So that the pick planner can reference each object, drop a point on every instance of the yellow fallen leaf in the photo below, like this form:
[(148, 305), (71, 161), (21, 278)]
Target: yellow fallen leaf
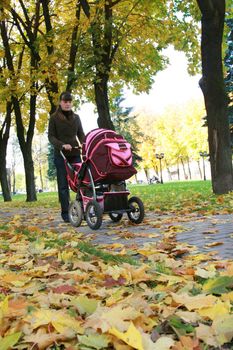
[(227, 296), (214, 244), (188, 316), (16, 279), (223, 330), (229, 270), (145, 252), (132, 337), (206, 334), (43, 340), (163, 343), (194, 302), (4, 306), (9, 341), (116, 296), (66, 256), (138, 274), (85, 305), (119, 345), (170, 279), (209, 232), (115, 272), (219, 308), (105, 318), (204, 273), (59, 319)]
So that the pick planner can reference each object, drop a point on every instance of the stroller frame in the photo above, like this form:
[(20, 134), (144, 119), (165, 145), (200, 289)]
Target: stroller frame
[(93, 199)]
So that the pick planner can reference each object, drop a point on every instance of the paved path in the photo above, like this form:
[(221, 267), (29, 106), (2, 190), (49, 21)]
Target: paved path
[(207, 233)]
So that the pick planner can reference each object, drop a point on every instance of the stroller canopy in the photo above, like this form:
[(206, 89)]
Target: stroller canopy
[(108, 155)]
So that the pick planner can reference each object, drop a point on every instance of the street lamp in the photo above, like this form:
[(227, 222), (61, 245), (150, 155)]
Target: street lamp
[(160, 156), (203, 155)]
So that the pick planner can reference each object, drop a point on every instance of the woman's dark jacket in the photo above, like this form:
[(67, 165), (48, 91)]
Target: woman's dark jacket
[(64, 129)]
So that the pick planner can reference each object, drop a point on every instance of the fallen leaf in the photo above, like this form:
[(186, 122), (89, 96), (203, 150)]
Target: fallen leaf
[(131, 337), (218, 285), (9, 341), (96, 341), (213, 244), (206, 333), (61, 321), (223, 330), (194, 302), (85, 305), (219, 308)]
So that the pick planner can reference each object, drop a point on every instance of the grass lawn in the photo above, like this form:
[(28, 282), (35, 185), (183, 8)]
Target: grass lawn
[(181, 197), (184, 197)]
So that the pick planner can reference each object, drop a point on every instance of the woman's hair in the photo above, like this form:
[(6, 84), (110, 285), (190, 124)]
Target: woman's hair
[(66, 96)]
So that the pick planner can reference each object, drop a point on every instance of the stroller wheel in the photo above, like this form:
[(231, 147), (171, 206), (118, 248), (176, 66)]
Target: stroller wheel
[(75, 213), (115, 216), (93, 215), (136, 214)]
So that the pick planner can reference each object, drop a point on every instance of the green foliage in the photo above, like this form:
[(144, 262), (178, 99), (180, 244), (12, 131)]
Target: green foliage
[(123, 42)]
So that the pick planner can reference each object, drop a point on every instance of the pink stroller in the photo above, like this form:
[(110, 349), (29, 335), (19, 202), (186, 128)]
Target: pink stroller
[(99, 181)]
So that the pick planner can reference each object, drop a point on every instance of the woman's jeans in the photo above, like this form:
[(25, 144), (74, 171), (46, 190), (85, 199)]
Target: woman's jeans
[(62, 183)]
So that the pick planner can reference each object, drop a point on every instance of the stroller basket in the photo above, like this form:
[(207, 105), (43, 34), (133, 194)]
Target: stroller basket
[(115, 201)]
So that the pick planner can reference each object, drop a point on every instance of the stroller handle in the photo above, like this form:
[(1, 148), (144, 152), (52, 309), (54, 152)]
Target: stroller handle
[(76, 147)]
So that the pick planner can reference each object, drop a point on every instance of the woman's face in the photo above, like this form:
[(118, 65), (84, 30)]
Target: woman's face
[(66, 105)]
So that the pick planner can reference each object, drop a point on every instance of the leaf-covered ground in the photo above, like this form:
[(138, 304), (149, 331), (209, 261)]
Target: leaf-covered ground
[(58, 291)]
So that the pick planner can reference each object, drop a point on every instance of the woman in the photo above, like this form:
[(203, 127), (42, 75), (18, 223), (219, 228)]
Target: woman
[(64, 128)]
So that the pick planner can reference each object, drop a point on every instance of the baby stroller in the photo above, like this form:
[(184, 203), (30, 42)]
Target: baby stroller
[(99, 181)]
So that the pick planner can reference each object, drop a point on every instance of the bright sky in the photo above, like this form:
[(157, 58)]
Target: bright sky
[(173, 86)]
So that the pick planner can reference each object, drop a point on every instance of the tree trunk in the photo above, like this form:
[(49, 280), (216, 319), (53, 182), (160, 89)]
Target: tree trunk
[(168, 171), (26, 146), (102, 103), (72, 78), (199, 168), (6, 192), (212, 85), (185, 175), (189, 168), (4, 136), (178, 171), (41, 177), (14, 181), (104, 51), (147, 175), (29, 178)]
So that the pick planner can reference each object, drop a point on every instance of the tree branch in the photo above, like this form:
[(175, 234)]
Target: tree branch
[(115, 2), (18, 20), (73, 50), (25, 13), (86, 7)]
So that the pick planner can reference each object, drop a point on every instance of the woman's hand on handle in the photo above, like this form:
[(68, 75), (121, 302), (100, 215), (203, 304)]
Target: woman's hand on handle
[(67, 147)]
